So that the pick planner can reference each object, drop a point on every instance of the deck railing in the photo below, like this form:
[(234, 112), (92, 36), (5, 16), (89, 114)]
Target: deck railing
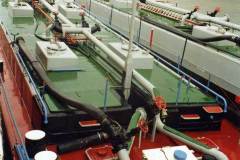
[(20, 73), (160, 59)]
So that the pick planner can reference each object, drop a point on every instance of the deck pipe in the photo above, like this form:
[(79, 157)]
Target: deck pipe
[(189, 141), (100, 137), (232, 38), (195, 15), (78, 144), (145, 83), (139, 114), (53, 10), (123, 154), (93, 111)]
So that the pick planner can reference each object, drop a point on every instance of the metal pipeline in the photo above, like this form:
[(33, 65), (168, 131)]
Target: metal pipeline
[(145, 83), (189, 141), (82, 143), (139, 114), (53, 10), (93, 111), (195, 15), (235, 39), (231, 38)]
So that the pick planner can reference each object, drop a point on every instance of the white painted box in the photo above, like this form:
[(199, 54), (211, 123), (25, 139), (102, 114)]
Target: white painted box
[(71, 11), (167, 153), (54, 58), (141, 59), (21, 9)]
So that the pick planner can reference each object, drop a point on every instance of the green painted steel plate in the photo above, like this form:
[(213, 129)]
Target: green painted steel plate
[(88, 84)]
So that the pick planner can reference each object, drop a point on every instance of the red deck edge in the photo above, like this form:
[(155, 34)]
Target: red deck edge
[(19, 94), (28, 116)]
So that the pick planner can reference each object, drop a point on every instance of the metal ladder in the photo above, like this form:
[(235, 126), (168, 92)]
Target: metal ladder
[(160, 11)]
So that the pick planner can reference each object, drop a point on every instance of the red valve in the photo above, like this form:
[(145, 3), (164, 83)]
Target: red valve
[(160, 102), (82, 13), (237, 99), (196, 8), (142, 124), (217, 9)]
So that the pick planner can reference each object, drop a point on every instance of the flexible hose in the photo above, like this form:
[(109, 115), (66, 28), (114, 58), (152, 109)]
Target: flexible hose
[(93, 111), (78, 144), (234, 39), (189, 141)]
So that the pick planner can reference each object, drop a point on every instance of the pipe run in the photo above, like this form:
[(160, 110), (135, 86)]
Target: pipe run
[(139, 114), (195, 15), (53, 10), (93, 111), (145, 83), (189, 141)]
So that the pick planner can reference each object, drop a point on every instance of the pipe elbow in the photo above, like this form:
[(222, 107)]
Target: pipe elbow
[(218, 154), (159, 124)]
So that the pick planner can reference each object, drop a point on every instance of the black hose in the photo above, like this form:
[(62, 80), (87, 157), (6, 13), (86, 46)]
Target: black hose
[(93, 111), (82, 143), (95, 28), (117, 134), (234, 39), (220, 38)]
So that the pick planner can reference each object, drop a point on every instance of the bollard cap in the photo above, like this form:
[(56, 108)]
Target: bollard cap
[(45, 155), (180, 155), (35, 135)]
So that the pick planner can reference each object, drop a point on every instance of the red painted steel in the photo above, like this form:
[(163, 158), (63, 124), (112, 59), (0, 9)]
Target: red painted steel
[(20, 97), (27, 115)]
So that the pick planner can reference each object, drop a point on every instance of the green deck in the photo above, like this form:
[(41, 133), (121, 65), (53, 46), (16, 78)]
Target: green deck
[(88, 84), (230, 49)]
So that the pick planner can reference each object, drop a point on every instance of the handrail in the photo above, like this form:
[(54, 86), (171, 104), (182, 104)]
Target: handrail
[(192, 79), (23, 152), (39, 97), (179, 71)]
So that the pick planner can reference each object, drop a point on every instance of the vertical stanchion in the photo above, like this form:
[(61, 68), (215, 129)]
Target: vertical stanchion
[(179, 90), (208, 83), (105, 96), (188, 88)]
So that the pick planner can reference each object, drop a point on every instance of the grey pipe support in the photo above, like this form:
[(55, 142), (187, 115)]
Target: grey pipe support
[(145, 83), (212, 151)]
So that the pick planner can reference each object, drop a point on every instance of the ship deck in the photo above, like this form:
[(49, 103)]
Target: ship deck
[(82, 86), (232, 50), (73, 83)]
